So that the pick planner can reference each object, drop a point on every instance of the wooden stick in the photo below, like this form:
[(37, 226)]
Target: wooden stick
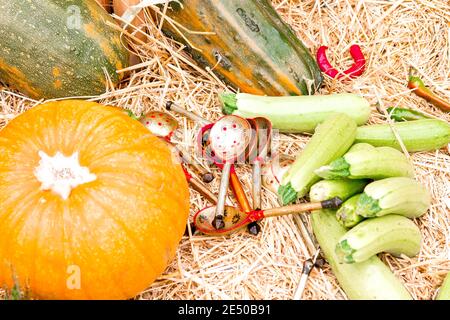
[(222, 195), (296, 208), (172, 106), (256, 185), (302, 207), (198, 186), (205, 174), (307, 268)]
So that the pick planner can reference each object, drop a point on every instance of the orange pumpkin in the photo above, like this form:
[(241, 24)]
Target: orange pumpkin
[(92, 206)]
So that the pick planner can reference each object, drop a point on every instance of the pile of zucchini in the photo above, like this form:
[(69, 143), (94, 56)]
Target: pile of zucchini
[(380, 196), (365, 168)]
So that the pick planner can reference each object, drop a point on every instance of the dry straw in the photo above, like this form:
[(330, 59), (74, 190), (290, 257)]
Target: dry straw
[(394, 35)]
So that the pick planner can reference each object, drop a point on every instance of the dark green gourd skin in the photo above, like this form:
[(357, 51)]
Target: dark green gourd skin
[(251, 49), (58, 48)]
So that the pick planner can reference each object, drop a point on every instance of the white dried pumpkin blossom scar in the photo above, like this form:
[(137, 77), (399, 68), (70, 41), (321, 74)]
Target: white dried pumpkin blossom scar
[(61, 174)]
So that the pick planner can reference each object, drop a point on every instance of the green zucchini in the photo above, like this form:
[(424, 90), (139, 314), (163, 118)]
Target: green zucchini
[(296, 114), (368, 280), (331, 140), (328, 189), (444, 291), (418, 135), (346, 215), (360, 147), (376, 163), (393, 234), (399, 195)]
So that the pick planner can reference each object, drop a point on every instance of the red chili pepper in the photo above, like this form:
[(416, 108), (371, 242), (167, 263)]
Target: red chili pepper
[(324, 64), (354, 71), (359, 65)]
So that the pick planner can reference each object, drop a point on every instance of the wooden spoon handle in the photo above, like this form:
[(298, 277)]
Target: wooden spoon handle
[(174, 107), (239, 192), (188, 159), (256, 185), (296, 208), (223, 188), (302, 207), (198, 186)]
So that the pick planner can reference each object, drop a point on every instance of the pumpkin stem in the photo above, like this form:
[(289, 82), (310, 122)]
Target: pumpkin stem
[(61, 174)]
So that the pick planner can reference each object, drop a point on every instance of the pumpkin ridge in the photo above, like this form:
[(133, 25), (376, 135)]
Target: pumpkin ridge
[(71, 258), (10, 202), (107, 260), (104, 183), (17, 218), (60, 134), (122, 225), (143, 150), (111, 176), (43, 139), (67, 251), (17, 173), (98, 125), (179, 201), (38, 239), (83, 114), (122, 148), (101, 126), (85, 241), (170, 218), (15, 136), (34, 251), (115, 178), (10, 216)]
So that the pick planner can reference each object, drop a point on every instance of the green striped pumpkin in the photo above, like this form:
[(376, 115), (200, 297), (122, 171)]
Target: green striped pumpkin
[(58, 48), (247, 45)]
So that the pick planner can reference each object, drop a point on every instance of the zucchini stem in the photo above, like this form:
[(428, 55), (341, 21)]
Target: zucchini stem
[(337, 169), (367, 206), (287, 194), (402, 114), (345, 252), (229, 102), (347, 215)]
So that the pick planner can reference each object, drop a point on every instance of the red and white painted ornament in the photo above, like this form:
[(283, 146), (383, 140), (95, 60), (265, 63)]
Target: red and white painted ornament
[(160, 124), (273, 171), (229, 137)]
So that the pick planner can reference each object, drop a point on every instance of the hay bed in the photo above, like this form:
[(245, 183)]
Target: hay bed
[(393, 35)]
